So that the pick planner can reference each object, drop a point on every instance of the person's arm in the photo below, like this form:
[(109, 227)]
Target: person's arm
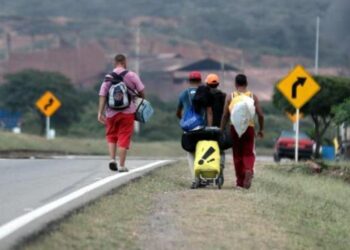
[(179, 112), (142, 94), (101, 107), (139, 86), (180, 107), (260, 114), (209, 116), (226, 114)]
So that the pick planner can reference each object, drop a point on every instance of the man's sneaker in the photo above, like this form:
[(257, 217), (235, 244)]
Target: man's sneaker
[(113, 166), (123, 169)]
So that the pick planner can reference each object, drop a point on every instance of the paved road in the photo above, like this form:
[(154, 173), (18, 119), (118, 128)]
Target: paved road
[(29, 184)]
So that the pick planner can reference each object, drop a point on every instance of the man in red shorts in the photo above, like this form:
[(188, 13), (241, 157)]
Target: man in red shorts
[(119, 123)]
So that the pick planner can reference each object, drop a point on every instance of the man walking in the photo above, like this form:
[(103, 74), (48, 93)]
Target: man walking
[(119, 122), (217, 102), (244, 146)]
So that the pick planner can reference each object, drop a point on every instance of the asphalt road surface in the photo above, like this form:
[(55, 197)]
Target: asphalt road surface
[(28, 184)]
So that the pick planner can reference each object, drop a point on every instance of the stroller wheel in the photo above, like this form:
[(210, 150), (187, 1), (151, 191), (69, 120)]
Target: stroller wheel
[(220, 181), (197, 182)]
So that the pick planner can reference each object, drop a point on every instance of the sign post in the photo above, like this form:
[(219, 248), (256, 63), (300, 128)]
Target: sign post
[(298, 87), (297, 137), (48, 104)]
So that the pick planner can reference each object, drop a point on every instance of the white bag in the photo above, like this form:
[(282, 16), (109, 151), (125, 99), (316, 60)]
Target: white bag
[(242, 113)]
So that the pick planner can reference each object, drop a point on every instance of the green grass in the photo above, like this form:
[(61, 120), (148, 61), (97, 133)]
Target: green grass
[(27, 144), (313, 209), (283, 210), (24, 142)]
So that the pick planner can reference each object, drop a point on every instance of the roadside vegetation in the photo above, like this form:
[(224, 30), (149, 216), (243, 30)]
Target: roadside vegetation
[(327, 109), (25, 145), (77, 116), (284, 210)]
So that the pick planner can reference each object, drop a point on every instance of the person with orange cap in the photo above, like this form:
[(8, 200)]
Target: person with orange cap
[(217, 103), (217, 98)]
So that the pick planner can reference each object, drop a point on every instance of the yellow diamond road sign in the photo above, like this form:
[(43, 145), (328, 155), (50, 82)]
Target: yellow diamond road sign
[(298, 87), (48, 103)]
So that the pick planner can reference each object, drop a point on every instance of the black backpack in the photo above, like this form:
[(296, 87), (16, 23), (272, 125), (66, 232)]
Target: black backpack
[(218, 103), (201, 99), (119, 97)]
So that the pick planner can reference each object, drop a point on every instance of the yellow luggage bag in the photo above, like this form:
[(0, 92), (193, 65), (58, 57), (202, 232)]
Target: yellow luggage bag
[(207, 160)]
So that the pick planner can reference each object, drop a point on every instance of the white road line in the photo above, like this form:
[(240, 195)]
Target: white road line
[(23, 220)]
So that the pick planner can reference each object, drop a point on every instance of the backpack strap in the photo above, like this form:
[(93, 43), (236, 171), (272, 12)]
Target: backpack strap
[(117, 78)]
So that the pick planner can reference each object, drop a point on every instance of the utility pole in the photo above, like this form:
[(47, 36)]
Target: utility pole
[(137, 50), (137, 67), (223, 68), (242, 62), (317, 45), (8, 49)]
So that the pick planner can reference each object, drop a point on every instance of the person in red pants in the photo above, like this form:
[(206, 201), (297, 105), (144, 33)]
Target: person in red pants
[(244, 146)]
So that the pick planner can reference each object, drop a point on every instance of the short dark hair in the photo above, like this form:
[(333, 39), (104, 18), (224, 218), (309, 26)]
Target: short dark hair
[(120, 59), (195, 81), (213, 86), (241, 80)]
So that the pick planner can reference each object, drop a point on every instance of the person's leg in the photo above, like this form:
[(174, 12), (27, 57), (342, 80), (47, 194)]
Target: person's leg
[(122, 152), (112, 138), (112, 149), (190, 159), (126, 129), (248, 147), (237, 157)]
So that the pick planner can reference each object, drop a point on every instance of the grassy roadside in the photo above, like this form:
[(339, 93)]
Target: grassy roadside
[(27, 145), (31, 143), (283, 210)]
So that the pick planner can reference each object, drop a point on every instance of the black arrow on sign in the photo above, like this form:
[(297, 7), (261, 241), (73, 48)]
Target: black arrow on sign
[(49, 104), (300, 82)]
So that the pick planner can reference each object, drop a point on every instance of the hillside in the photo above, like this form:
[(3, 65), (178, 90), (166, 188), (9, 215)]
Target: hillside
[(274, 27)]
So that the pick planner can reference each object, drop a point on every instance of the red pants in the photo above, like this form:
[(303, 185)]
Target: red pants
[(119, 129), (243, 155)]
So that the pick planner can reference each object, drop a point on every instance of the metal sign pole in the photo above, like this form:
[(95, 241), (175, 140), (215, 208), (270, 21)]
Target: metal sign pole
[(47, 127), (317, 46), (297, 137)]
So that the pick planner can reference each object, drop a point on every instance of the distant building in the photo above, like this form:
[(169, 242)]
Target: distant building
[(205, 66), (83, 65)]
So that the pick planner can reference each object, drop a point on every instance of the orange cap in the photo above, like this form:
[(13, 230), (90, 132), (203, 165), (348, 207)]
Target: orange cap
[(212, 79)]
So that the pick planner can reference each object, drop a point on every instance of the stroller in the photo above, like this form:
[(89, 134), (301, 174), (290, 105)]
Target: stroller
[(206, 144)]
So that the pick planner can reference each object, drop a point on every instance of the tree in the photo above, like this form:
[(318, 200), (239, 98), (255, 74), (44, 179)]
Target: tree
[(21, 90), (334, 90), (342, 112)]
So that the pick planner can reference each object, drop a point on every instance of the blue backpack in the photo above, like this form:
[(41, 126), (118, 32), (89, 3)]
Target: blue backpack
[(191, 120)]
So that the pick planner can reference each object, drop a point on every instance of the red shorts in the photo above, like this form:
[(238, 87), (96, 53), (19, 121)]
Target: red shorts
[(119, 129)]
